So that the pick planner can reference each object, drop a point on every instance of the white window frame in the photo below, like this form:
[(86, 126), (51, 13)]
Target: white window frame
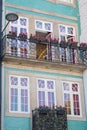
[(67, 1), (65, 34), (19, 26), (43, 26), (71, 97), (19, 87), (46, 90)]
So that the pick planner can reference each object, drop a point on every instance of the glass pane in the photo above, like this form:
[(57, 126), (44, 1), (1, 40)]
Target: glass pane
[(23, 21), (51, 102), (24, 82), (13, 30), (24, 48), (76, 104), (13, 80), (50, 84), (66, 86), (39, 24), (70, 30), (47, 26), (13, 46), (23, 31), (62, 29), (24, 100), (14, 99), (41, 98), (41, 83), (67, 102), (75, 87)]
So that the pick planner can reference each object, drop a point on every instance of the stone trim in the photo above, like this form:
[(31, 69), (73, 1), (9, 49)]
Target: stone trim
[(64, 3)]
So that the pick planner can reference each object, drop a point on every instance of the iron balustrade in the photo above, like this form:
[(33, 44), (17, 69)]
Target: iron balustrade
[(23, 47)]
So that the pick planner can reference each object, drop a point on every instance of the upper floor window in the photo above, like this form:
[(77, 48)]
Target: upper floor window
[(66, 33), (69, 1), (43, 26), (71, 98), (19, 26), (46, 92), (16, 46), (19, 94)]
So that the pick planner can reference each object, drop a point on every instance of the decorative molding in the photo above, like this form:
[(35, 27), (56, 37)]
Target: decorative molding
[(64, 3), (39, 11)]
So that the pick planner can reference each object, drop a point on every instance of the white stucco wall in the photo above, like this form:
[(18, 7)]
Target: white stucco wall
[(83, 18)]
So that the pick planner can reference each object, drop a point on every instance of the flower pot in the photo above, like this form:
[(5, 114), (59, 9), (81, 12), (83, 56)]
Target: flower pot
[(63, 44), (11, 36), (33, 40), (83, 48)]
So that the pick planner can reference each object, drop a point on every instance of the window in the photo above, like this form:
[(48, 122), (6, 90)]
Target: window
[(19, 94), (69, 1), (16, 46), (66, 33), (43, 26), (46, 92), (71, 98)]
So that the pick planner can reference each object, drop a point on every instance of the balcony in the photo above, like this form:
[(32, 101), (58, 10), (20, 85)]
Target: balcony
[(44, 52), (49, 119)]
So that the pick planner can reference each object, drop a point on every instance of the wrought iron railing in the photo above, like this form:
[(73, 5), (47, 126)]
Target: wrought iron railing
[(49, 119), (54, 52)]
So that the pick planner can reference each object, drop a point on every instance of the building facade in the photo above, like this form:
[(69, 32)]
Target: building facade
[(43, 63)]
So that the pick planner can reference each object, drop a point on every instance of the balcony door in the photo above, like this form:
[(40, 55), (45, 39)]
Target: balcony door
[(41, 50)]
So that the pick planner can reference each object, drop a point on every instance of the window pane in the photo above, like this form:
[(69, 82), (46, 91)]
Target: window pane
[(67, 102), (39, 24), (24, 82), (13, 80), (24, 48), (24, 100), (41, 84), (70, 30), (76, 104), (51, 102), (50, 84), (23, 31), (14, 99), (47, 26), (66, 86), (14, 29), (41, 98), (62, 29), (75, 87), (13, 46), (23, 21)]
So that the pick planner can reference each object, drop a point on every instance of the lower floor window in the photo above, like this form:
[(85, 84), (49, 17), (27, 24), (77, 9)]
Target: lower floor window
[(19, 93), (71, 98), (46, 92)]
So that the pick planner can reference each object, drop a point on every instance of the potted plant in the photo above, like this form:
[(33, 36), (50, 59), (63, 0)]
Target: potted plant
[(33, 39), (83, 46), (54, 41), (43, 109), (63, 44), (22, 36), (73, 44), (12, 35)]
